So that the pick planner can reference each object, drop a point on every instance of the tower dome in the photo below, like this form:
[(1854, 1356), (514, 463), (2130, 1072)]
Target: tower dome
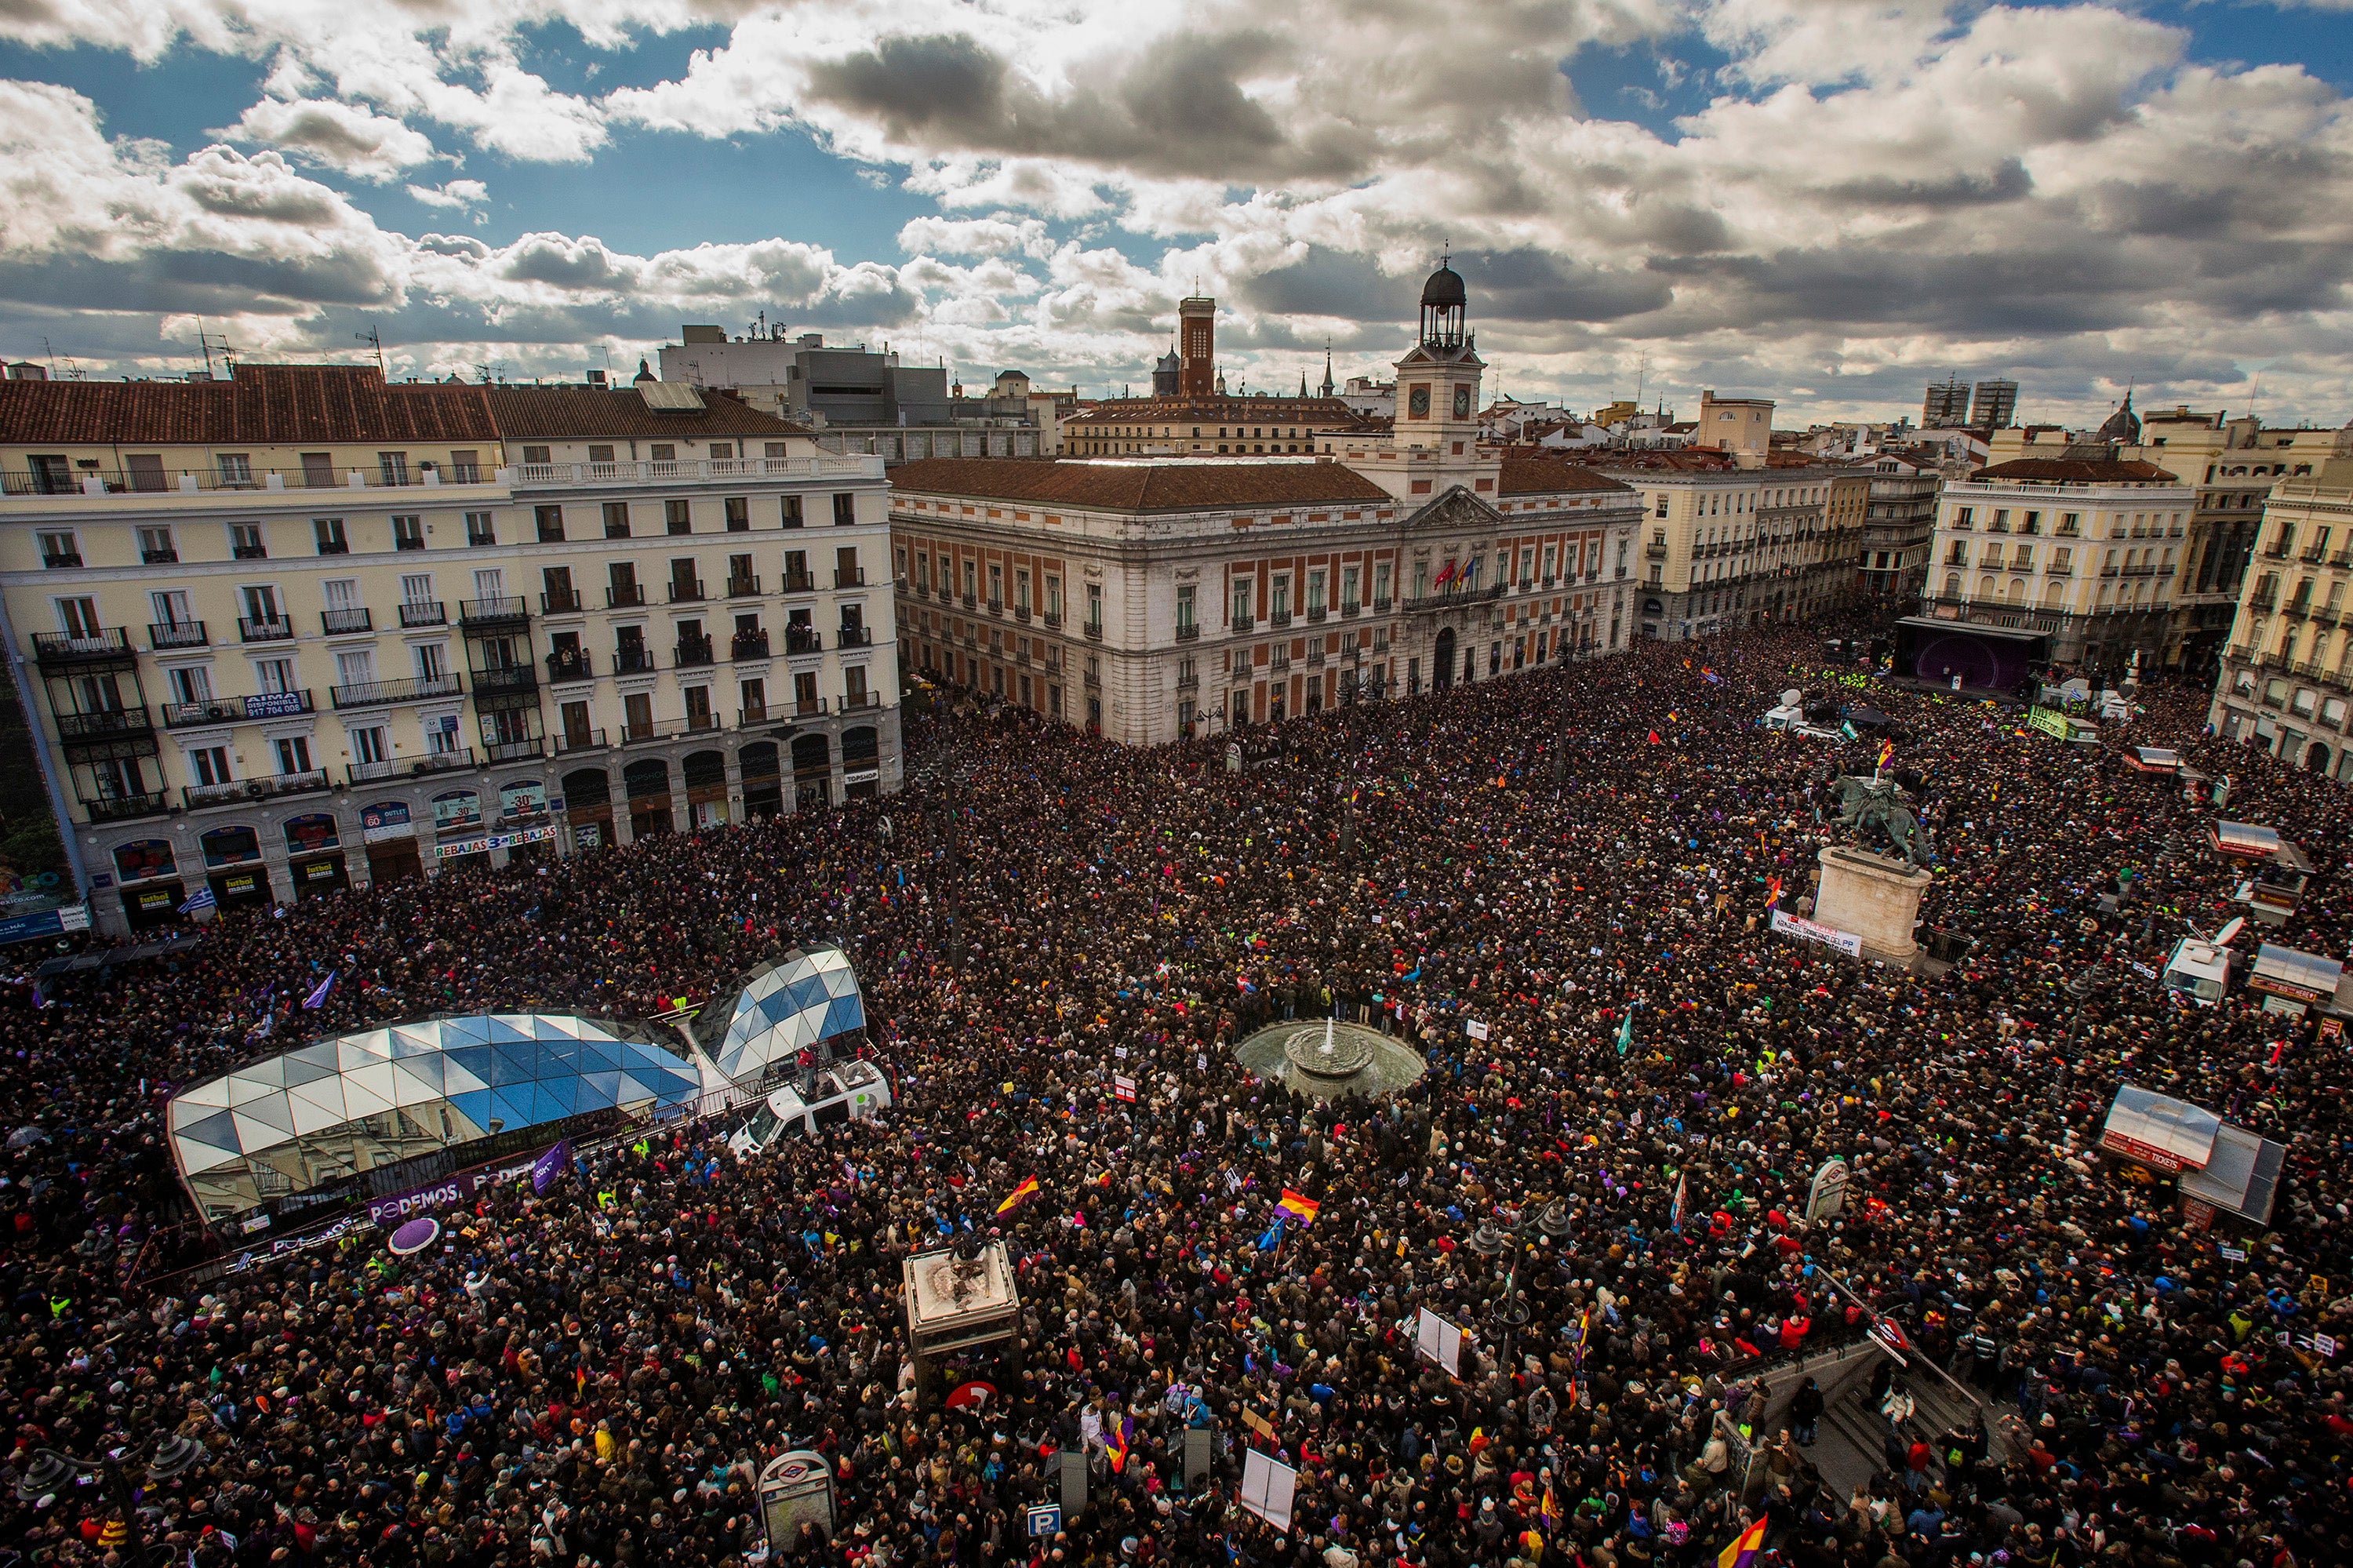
[(1444, 305), (2123, 427), (1444, 288)]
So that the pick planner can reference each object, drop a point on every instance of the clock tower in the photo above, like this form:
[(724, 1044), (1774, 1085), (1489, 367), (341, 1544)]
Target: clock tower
[(1437, 379)]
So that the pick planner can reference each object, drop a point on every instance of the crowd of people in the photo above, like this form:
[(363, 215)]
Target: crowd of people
[(1655, 1339)]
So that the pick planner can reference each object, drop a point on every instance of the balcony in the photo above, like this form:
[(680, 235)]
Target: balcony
[(1314, 614), (1189, 680), (1381, 604), (752, 718), (370, 772), (1021, 613), (800, 638), (508, 610), (808, 707), (377, 693), (633, 659), (851, 636), (109, 645), (701, 723), (560, 601), (797, 582), (1655, 552), (570, 665), (501, 685), (855, 577), (648, 732), (250, 553), (2263, 600), (1315, 658), (860, 702), (497, 751), (748, 645), (2276, 552), (692, 652), (425, 612), (443, 761), (125, 808), (684, 590), (278, 630), (1278, 618), (61, 560), (996, 608), (1527, 585), (1091, 681), (671, 473), (199, 796), (1243, 624), (568, 741), (1051, 620), (345, 622), (158, 558), (115, 724), (1350, 609), (624, 596), (1189, 633), (744, 588), (168, 634), (1093, 629)]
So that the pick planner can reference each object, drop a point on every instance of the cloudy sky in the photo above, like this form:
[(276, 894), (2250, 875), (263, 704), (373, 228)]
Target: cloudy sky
[(1830, 202)]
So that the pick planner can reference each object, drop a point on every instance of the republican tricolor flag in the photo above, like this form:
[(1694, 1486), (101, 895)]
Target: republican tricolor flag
[(1028, 1186), (1745, 1548), (1299, 1204)]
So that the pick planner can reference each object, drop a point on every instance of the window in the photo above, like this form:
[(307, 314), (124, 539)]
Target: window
[(58, 550), (1054, 596), (171, 606), (235, 470), (791, 509), (156, 546), (432, 660), (617, 519), (1094, 605), (845, 510), (537, 456), (260, 604), (1184, 608), (441, 736), (355, 668), (847, 573), (479, 529), (466, 466), (370, 746), (392, 468), (995, 585), (739, 513), (407, 533), (550, 521), (208, 765), (244, 541), (191, 685), (678, 516), (600, 454), (722, 452), (489, 583)]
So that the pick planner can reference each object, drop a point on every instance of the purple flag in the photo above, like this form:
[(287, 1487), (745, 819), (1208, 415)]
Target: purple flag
[(318, 999), (550, 1165)]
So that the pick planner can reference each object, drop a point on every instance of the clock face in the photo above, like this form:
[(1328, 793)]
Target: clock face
[(1462, 402), (1416, 403)]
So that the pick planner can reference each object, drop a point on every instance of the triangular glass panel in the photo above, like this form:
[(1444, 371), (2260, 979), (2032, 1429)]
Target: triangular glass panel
[(220, 1129)]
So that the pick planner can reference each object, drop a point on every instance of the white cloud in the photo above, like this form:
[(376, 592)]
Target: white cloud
[(349, 138), (457, 195), (1879, 190)]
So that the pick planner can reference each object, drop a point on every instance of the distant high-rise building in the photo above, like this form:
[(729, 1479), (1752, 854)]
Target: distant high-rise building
[(1945, 405), (1995, 406), (1197, 347)]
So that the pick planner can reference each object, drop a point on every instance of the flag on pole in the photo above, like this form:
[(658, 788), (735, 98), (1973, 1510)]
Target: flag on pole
[(1675, 1214), (1115, 1433), (1626, 1030), (1028, 1186), (318, 997), (1745, 1548), (1299, 1204), (202, 898), (1772, 891), (1446, 574), (1886, 751)]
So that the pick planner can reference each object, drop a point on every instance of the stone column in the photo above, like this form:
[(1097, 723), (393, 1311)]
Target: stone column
[(1875, 896)]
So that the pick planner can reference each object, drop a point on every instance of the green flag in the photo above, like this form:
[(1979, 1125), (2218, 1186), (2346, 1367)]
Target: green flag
[(1626, 1030)]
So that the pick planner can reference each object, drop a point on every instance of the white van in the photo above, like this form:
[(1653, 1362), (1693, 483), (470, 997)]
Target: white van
[(2198, 970), (845, 1092)]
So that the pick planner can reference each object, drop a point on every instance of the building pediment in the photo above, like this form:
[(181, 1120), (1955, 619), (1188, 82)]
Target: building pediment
[(1456, 511), (1433, 357)]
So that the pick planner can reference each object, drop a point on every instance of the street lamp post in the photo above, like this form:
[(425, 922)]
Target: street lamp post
[(51, 1469)]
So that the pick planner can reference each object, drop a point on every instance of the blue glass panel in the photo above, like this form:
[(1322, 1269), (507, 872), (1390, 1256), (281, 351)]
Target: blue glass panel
[(217, 1130), (463, 1032), (513, 1105), (475, 1059), (596, 1090), (475, 1106), (426, 1070), (551, 1098)]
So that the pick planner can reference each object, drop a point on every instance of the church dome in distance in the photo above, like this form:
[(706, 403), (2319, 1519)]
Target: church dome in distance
[(2123, 427)]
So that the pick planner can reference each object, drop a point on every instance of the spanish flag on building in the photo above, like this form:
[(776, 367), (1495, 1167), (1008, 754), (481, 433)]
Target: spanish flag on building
[(1299, 1204), (1029, 1186), (1745, 1548)]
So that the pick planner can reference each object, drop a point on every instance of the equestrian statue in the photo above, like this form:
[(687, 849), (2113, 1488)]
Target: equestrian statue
[(1872, 807)]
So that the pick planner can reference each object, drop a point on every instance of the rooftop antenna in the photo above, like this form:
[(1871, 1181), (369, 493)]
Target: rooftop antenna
[(1641, 379), (374, 341), (209, 341)]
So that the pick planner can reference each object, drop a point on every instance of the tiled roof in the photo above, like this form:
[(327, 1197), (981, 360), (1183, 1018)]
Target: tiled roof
[(260, 404), (1138, 486), (1696, 460), (584, 413), (2078, 470), (1543, 476)]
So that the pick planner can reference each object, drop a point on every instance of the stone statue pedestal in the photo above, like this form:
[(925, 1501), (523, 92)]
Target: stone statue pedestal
[(1875, 896)]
